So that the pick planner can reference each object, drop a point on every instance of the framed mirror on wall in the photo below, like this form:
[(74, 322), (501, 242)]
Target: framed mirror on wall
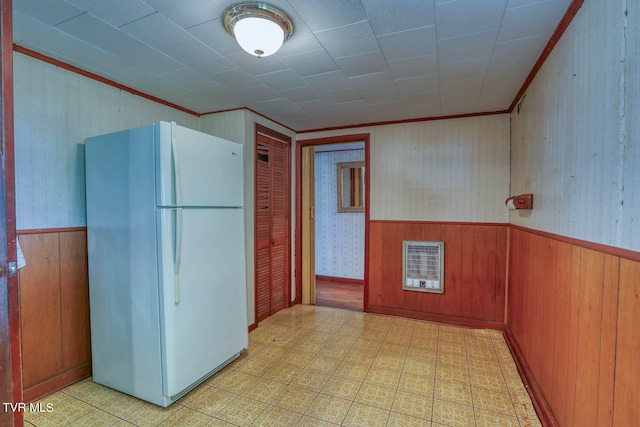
[(351, 187)]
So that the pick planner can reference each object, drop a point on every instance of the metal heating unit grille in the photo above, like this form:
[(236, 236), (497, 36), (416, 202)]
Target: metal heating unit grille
[(423, 266)]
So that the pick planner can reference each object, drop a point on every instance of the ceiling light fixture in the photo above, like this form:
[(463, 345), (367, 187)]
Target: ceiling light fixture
[(259, 28)]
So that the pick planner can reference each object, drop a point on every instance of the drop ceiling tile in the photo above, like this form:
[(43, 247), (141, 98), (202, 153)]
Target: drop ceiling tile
[(471, 46), (321, 15), (333, 80), (431, 109), (414, 67), (459, 17), (187, 15), (36, 35), (272, 106), (463, 70), (390, 17), (257, 94), (201, 58), (537, 18), (213, 34), (373, 82), (418, 98), (301, 41), (348, 40), (160, 33), (254, 65), (289, 115), (519, 3), (381, 97), (519, 50), (418, 84), (409, 44), (236, 79), (303, 93), (187, 78), (115, 12), (503, 72), (316, 106), (496, 96), (310, 63), (47, 11), (342, 95), (462, 86), (366, 63), (106, 37), (306, 123), (283, 79)]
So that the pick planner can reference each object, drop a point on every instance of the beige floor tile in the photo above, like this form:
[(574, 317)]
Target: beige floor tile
[(91, 392), (311, 380), (415, 405), (448, 373), (361, 415), (453, 414), (242, 411), (295, 359), (150, 415), (419, 366), (403, 420), (524, 409), (416, 384), (277, 417), (383, 377), (351, 370), (236, 382), (392, 363), (264, 390), (186, 417), (488, 381), (211, 401), (493, 401), (295, 399), (375, 395), (361, 357), (306, 421), (453, 392), (96, 418), (284, 373), (456, 360), (492, 419), (328, 408), (255, 366), (355, 367), (343, 388), (324, 364)]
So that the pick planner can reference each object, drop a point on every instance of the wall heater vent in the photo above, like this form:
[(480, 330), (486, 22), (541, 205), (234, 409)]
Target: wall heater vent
[(423, 266)]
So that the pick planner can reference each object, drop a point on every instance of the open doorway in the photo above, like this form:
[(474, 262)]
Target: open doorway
[(332, 221)]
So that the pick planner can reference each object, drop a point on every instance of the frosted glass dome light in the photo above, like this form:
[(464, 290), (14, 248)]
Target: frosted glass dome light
[(259, 36), (260, 29)]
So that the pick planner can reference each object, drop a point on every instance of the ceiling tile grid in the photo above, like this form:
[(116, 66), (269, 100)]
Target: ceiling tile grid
[(347, 62)]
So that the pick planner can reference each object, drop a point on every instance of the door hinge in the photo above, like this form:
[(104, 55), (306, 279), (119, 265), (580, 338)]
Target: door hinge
[(13, 269)]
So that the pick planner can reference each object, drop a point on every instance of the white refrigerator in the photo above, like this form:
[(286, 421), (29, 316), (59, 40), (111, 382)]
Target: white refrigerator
[(166, 245)]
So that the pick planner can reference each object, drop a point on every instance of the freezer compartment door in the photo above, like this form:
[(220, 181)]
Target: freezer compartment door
[(203, 287), (197, 169)]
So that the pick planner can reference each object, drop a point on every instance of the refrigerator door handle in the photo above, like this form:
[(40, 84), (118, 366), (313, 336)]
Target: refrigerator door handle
[(177, 256), (177, 183)]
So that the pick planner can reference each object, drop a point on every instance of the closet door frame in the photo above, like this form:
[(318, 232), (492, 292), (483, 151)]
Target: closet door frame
[(286, 141)]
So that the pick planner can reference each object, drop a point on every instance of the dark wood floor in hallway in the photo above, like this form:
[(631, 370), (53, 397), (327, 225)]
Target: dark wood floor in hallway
[(338, 294)]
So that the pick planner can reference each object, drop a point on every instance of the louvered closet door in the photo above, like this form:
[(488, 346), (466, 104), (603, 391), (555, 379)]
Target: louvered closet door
[(272, 226)]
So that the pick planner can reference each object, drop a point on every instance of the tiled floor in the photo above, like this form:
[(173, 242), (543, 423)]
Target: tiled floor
[(316, 366)]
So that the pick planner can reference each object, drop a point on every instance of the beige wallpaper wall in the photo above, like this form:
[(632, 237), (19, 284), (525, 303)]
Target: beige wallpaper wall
[(446, 170), (575, 139)]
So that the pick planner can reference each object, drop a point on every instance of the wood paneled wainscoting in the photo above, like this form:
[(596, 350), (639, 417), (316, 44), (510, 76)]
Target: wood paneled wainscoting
[(574, 311), (54, 310), (475, 257)]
